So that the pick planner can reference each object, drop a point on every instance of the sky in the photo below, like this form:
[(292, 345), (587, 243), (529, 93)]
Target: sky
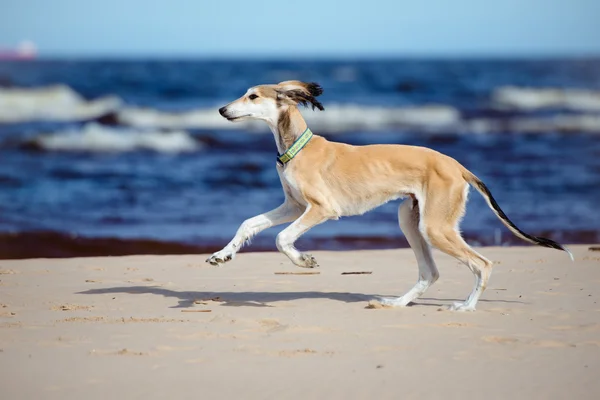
[(284, 28)]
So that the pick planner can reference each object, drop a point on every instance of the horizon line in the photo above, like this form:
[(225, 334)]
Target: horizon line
[(358, 56)]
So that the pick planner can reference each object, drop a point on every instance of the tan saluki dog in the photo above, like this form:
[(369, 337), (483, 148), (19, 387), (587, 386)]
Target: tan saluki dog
[(328, 180)]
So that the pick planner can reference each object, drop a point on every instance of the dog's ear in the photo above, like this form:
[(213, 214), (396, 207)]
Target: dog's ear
[(312, 88), (297, 92)]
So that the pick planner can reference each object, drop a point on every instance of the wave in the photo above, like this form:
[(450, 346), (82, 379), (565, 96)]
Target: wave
[(531, 99), (344, 118), (563, 123), (97, 138), (336, 118), (207, 118), (60, 103), (52, 103), (351, 117)]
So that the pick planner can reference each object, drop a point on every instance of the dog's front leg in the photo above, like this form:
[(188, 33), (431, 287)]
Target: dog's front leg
[(286, 212), (286, 238)]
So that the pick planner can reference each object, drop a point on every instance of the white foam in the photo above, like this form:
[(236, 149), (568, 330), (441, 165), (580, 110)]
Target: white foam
[(208, 118), (353, 117), (529, 99), (52, 103), (557, 123), (344, 118), (565, 123), (335, 118), (60, 103), (97, 138)]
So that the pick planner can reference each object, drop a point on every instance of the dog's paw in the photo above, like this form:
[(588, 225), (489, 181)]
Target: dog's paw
[(220, 257), (393, 301), (307, 261)]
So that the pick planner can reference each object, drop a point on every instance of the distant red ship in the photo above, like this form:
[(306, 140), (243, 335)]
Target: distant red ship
[(24, 51)]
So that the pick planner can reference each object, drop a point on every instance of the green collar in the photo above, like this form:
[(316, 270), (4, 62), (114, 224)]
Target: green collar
[(295, 148)]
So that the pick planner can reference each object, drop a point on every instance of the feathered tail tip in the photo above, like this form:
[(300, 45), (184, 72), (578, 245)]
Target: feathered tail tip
[(569, 253), (553, 245)]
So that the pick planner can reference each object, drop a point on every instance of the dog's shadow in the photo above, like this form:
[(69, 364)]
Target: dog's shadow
[(256, 299), (233, 299)]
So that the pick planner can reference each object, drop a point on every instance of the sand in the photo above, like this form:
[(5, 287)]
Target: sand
[(157, 327)]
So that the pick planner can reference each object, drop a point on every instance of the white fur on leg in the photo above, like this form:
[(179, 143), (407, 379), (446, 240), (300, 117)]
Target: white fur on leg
[(420, 287), (286, 239), (481, 279), (428, 273), (287, 212), (471, 302)]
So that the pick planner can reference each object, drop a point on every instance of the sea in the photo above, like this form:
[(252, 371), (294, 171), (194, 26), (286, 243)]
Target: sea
[(110, 157)]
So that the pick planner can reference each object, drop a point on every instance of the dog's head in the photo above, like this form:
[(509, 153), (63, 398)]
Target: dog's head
[(266, 102)]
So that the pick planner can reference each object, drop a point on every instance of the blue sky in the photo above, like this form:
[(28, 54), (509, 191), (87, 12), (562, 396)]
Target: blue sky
[(283, 28)]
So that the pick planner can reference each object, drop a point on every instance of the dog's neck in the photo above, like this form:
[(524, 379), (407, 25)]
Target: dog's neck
[(288, 127)]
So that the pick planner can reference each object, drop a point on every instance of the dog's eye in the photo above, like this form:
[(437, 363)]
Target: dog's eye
[(253, 96)]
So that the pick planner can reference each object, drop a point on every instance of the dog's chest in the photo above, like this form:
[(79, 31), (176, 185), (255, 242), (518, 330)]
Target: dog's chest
[(290, 185)]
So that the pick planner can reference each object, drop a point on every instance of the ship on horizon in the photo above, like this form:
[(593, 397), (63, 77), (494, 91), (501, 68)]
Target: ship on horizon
[(26, 50)]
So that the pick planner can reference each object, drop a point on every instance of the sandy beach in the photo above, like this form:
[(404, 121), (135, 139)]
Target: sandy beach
[(156, 327)]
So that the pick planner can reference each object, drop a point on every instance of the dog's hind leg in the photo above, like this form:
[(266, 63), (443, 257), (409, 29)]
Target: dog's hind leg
[(409, 216), (441, 215)]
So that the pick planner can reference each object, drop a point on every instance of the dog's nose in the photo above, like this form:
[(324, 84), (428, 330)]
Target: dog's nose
[(222, 111)]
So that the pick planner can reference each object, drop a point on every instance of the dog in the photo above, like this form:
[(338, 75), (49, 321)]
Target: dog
[(324, 180)]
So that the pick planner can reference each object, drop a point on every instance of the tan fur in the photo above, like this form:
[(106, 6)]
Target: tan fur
[(328, 180)]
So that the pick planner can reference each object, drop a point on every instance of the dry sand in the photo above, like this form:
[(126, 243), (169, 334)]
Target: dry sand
[(157, 327)]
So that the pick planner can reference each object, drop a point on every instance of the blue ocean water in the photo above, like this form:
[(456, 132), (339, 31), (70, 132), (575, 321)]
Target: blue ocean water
[(136, 150)]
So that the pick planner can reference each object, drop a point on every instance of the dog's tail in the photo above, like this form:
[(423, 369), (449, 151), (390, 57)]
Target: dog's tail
[(485, 192)]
